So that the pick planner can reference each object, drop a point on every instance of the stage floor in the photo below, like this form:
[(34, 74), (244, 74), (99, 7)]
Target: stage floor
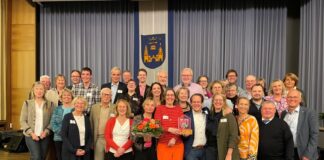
[(13, 156)]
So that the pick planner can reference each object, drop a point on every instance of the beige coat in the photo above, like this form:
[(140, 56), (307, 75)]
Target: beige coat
[(94, 118), (28, 117)]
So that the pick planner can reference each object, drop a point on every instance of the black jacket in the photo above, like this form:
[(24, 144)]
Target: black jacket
[(71, 138), (121, 90)]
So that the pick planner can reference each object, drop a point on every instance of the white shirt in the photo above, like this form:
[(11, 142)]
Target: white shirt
[(81, 126), (200, 125), (114, 88), (120, 135), (292, 121), (39, 119)]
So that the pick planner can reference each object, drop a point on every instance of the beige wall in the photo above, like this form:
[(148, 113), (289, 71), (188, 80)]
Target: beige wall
[(153, 19), (22, 53)]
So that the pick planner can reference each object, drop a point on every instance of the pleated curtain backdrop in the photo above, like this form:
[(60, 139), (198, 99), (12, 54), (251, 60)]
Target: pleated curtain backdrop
[(213, 36), (311, 56), (99, 35)]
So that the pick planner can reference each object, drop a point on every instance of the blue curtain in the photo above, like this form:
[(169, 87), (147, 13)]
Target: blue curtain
[(213, 36), (311, 57), (99, 35)]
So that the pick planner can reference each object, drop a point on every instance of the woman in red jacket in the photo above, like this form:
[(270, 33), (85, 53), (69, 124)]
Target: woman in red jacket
[(117, 133)]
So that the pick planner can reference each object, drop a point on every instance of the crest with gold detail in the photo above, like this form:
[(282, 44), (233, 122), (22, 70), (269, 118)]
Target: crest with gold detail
[(153, 50)]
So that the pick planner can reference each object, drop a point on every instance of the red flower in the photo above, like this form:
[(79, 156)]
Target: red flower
[(152, 126), (140, 127)]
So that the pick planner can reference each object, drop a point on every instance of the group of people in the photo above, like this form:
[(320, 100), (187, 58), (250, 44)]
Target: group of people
[(227, 122)]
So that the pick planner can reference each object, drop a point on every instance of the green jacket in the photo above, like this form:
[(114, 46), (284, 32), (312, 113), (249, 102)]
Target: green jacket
[(227, 137)]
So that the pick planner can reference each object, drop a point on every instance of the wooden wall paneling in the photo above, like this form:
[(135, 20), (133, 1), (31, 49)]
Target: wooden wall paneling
[(23, 12), (23, 55)]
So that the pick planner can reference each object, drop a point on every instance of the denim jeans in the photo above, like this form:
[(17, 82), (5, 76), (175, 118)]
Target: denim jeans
[(37, 149), (196, 154)]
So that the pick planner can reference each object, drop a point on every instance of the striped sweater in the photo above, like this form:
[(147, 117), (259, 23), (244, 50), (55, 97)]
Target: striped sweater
[(168, 118)]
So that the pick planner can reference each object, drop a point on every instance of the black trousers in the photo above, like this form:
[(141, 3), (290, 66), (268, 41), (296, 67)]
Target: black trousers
[(58, 149), (126, 156), (296, 156)]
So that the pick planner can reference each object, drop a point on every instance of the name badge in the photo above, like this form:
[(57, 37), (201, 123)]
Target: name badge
[(135, 99), (165, 117), (72, 121), (89, 94), (119, 91), (224, 120)]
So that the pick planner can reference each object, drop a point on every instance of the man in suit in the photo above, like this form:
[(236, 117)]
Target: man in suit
[(99, 115), (195, 143), (303, 124), (118, 89), (142, 88), (275, 138)]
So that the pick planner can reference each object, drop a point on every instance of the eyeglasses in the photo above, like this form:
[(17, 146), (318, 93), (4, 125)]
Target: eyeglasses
[(292, 97), (203, 81), (104, 94)]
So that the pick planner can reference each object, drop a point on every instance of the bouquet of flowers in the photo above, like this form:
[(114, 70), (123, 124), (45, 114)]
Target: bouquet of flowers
[(147, 128)]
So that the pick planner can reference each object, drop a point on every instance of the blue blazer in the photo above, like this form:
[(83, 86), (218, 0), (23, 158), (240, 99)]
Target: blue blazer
[(307, 133), (121, 86), (71, 138), (188, 141)]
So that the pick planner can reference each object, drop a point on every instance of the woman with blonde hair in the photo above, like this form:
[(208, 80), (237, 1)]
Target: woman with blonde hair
[(145, 147), (54, 94), (35, 119), (183, 96), (76, 132), (57, 118), (249, 131), (117, 133), (217, 87), (277, 94), (221, 131)]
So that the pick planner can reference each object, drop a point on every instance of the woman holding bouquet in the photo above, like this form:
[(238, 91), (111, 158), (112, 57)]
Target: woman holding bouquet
[(117, 133), (170, 145), (145, 147)]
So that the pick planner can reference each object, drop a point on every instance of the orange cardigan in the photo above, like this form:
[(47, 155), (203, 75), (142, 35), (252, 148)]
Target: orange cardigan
[(109, 137)]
